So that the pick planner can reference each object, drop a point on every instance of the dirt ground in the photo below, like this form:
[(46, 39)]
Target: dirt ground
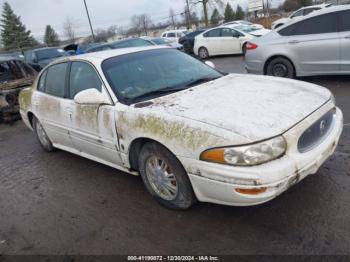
[(59, 203)]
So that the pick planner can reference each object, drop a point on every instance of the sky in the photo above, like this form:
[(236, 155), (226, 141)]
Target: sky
[(36, 14)]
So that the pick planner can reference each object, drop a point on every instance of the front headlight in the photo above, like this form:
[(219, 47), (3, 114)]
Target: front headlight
[(248, 155)]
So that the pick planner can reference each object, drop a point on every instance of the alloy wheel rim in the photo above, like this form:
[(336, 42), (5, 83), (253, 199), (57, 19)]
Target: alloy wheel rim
[(203, 53), (280, 70), (161, 178)]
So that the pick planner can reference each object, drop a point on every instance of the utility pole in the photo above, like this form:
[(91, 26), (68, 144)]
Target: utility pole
[(188, 15), (87, 12)]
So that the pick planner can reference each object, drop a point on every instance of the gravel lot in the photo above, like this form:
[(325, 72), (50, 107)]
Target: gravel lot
[(59, 203)]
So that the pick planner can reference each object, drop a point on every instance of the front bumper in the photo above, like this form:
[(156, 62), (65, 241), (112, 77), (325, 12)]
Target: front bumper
[(217, 183)]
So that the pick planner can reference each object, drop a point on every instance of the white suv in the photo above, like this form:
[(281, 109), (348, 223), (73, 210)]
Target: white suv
[(300, 12), (174, 35)]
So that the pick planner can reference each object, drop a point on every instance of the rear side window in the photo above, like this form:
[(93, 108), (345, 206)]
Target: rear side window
[(316, 25), (344, 21), (171, 35), (82, 77), (213, 33), (56, 79)]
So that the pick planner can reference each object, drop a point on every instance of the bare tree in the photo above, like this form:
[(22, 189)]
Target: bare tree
[(205, 4), (141, 23), (68, 29)]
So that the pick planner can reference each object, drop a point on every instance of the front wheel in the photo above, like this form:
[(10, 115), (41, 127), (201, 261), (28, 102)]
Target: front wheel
[(280, 67), (165, 178)]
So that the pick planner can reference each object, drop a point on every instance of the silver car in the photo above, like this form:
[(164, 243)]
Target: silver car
[(317, 44)]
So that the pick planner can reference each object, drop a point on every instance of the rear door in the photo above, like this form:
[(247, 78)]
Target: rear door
[(344, 31), (314, 44), (212, 41), (50, 104)]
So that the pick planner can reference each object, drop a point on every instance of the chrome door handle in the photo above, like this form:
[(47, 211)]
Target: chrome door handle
[(294, 42)]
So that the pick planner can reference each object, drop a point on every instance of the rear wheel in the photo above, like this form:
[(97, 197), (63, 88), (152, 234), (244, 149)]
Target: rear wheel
[(203, 53), (244, 48), (165, 178), (280, 67), (42, 137)]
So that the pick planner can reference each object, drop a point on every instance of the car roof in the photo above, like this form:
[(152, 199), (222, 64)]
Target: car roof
[(315, 6), (114, 42), (98, 57), (323, 11)]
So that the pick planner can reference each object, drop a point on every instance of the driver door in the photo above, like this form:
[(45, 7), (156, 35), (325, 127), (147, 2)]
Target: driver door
[(93, 130)]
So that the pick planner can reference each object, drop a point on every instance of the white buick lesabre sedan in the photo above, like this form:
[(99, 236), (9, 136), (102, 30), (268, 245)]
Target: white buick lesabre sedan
[(191, 132)]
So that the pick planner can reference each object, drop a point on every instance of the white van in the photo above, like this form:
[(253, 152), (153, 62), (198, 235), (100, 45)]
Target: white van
[(174, 35)]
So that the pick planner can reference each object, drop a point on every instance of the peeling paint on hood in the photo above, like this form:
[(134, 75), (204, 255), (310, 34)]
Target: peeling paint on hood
[(255, 107)]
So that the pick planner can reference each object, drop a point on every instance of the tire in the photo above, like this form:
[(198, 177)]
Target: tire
[(42, 137), (280, 67), (165, 178), (203, 53), (244, 48)]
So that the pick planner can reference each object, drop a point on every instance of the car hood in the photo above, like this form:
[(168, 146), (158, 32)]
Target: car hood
[(255, 107)]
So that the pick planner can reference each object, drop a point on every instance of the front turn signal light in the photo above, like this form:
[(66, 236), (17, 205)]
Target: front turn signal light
[(251, 191)]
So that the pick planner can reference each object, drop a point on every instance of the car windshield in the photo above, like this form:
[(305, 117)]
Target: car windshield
[(50, 53), (147, 74), (245, 28)]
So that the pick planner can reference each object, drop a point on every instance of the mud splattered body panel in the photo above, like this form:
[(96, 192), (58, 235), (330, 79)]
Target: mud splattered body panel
[(233, 110)]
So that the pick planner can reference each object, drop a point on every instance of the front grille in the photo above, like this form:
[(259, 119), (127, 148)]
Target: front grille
[(316, 133)]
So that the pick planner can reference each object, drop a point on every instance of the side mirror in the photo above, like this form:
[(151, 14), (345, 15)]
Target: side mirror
[(91, 97), (210, 63)]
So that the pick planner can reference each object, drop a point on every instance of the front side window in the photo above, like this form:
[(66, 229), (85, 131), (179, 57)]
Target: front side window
[(171, 35), (316, 25), (82, 77), (226, 32), (213, 33), (56, 79), (344, 21), (134, 76)]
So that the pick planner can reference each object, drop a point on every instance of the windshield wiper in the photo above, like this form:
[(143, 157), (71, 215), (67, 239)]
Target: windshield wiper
[(157, 92), (200, 81), (166, 90)]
